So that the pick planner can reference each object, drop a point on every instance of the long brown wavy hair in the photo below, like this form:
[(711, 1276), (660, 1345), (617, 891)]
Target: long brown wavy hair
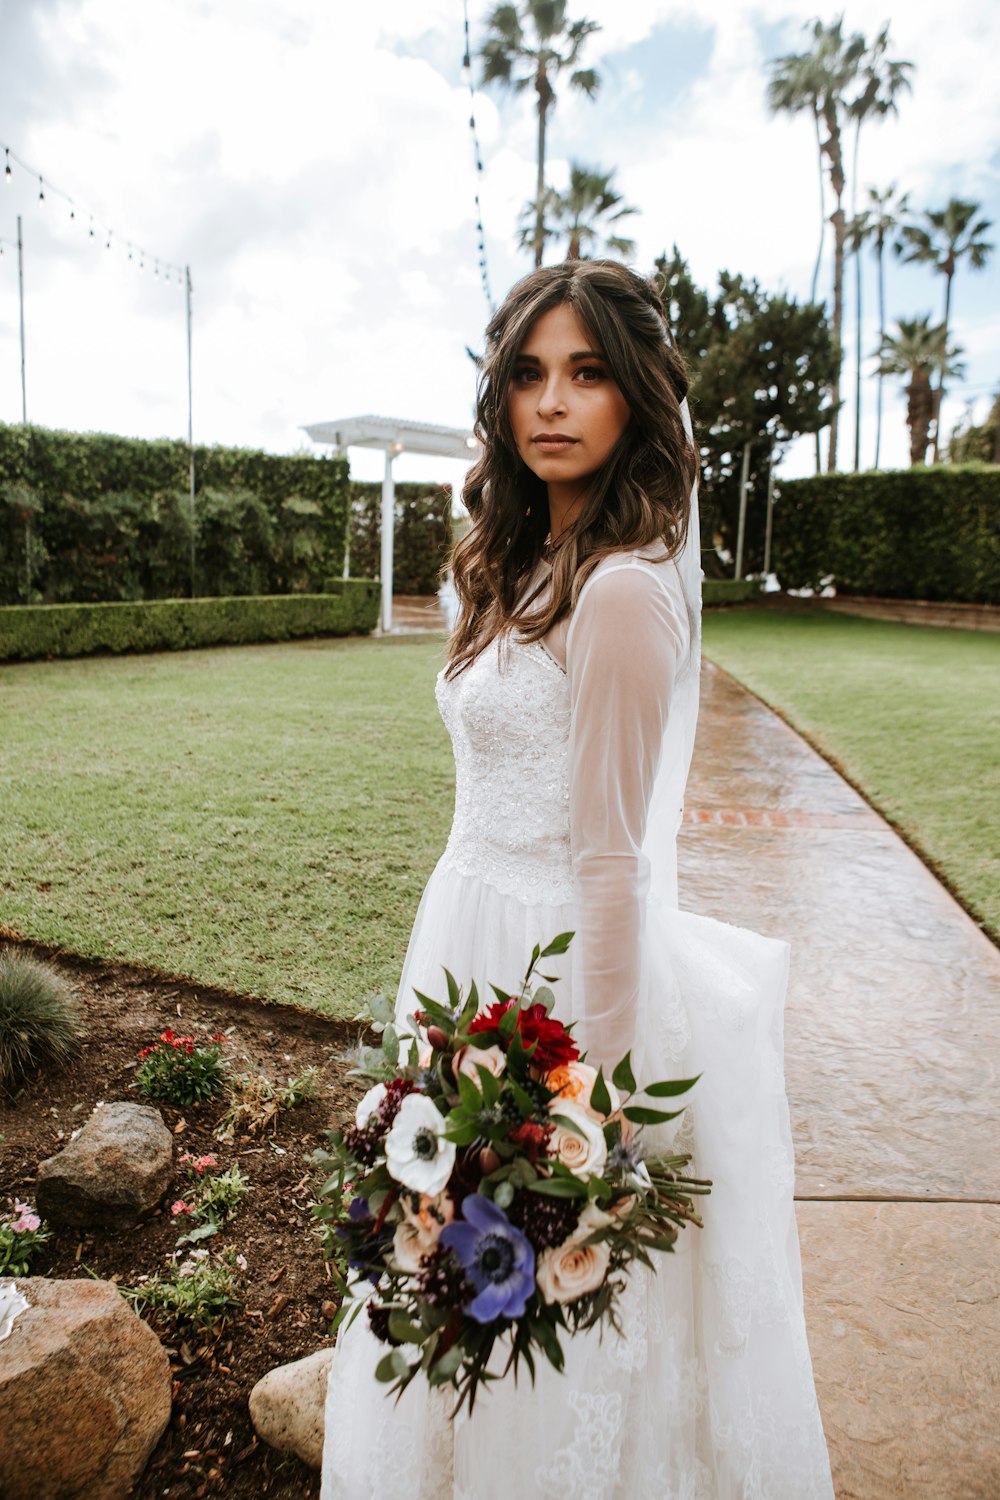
[(639, 496)]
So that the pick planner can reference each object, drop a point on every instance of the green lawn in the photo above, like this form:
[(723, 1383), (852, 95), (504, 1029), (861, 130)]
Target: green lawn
[(257, 817), (910, 713)]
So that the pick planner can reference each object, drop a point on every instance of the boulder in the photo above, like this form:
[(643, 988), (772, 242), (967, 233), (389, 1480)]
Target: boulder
[(287, 1405), (119, 1166), (85, 1392)]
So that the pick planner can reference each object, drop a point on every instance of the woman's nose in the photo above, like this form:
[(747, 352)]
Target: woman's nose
[(551, 398)]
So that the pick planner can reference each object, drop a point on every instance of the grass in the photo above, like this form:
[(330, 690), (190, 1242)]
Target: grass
[(261, 818), (909, 713)]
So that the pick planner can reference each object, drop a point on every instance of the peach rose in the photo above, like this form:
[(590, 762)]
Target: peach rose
[(420, 1228), (574, 1083), (580, 1144), (572, 1269), (469, 1059)]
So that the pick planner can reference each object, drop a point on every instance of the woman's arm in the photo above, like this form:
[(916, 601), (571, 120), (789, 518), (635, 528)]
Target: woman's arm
[(627, 638)]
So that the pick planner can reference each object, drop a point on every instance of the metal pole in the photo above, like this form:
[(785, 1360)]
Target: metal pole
[(770, 514), (388, 526), (20, 292), (744, 486), (187, 300)]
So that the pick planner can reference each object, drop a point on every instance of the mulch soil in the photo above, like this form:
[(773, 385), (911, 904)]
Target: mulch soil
[(210, 1447)]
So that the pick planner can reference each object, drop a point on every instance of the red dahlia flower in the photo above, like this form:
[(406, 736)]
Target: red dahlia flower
[(553, 1043)]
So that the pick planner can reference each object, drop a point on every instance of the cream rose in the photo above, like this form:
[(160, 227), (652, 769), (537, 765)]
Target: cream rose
[(573, 1269), (574, 1083), (418, 1232), (580, 1143), (469, 1059)]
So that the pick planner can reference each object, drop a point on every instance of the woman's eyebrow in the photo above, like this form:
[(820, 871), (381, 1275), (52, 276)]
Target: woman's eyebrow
[(532, 359)]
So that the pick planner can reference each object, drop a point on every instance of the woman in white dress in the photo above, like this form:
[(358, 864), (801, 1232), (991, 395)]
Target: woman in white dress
[(570, 695)]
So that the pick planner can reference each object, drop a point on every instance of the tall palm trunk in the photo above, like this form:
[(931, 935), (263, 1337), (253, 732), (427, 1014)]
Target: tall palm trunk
[(919, 409), (822, 239), (857, 302), (544, 100), (949, 272), (881, 341), (839, 236)]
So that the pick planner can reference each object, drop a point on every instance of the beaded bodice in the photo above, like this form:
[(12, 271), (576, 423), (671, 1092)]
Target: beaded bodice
[(508, 715)]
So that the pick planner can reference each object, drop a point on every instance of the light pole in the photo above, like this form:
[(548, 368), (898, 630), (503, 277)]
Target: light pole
[(20, 294)]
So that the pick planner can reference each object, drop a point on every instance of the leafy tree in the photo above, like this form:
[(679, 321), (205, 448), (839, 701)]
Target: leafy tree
[(528, 46), (917, 351), (586, 215), (839, 78), (977, 443), (761, 367), (946, 237)]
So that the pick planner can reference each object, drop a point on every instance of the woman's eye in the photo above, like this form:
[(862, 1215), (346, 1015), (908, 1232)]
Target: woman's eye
[(524, 375), (590, 373)]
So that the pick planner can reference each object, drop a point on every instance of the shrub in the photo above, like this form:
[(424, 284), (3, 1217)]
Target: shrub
[(196, 1296), (177, 1069), (421, 540), (259, 1102), (211, 1200), (40, 1020), (31, 631)]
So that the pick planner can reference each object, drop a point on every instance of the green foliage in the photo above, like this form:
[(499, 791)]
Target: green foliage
[(717, 592), (348, 607), (196, 1296), (177, 1069), (40, 1022), (211, 1200), (760, 367), (92, 516), (422, 540), (22, 1235), (980, 443), (900, 534), (258, 1103)]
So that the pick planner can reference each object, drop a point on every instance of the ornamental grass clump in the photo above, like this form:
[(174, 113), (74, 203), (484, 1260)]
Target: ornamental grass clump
[(22, 1235), (40, 1020), (181, 1070)]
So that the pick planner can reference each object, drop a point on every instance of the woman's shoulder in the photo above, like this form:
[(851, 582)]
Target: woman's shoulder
[(634, 590), (638, 570)]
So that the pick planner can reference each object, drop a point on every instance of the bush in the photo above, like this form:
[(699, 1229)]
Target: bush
[(92, 517), (198, 1296), (22, 1235), (177, 1069), (421, 541), (721, 591), (30, 631), (40, 1021), (902, 534)]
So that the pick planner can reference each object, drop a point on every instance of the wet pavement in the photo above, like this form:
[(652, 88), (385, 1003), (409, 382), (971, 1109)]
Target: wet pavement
[(892, 1057)]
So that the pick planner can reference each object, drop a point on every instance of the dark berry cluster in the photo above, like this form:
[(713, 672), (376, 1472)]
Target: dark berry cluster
[(546, 1221), (364, 1144), (378, 1317), (442, 1281), (396, 1091)]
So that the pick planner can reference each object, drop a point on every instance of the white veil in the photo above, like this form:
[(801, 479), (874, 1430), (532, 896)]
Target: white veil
[(666, 804)]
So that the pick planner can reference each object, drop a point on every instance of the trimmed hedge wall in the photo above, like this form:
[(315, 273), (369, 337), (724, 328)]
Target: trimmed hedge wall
[(720, 591), (28, 631), (421, 541), (917, 533), (95, 517)]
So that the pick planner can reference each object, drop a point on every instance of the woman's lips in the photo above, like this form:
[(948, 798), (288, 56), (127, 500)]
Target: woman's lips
[(554, 444)]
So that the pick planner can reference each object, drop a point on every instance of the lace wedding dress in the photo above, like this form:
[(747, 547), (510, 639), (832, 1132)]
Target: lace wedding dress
[(571, 757)]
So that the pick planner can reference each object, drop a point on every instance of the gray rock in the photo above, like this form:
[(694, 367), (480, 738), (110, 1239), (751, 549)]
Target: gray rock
[(85, 1394), (119, 1166), (287, 1404)]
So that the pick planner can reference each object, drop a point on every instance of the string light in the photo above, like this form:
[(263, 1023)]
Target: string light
[(46, 190), (478, 157)]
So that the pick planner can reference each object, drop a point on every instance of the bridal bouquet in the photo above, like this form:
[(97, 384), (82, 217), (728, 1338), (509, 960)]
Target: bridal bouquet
[(493, 1185)]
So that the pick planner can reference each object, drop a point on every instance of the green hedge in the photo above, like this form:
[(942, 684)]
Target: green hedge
[(28, 631), (421, 540), (94, 517), (718, 591), (903, 534)]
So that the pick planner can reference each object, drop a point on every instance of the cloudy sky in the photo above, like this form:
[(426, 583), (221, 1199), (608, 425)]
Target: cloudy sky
[(311, 160)]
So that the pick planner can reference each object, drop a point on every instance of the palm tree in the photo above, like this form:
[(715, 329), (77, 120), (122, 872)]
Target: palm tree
[(518, 62), (821, 81), (917, 351), (947, 236), (587, 213), (882, 80), (879, 222)]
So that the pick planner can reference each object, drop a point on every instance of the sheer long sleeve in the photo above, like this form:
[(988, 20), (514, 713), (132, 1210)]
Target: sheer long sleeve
[(627, 640)]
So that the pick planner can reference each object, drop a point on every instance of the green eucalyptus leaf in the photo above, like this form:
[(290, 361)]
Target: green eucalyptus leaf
[(544, 996), (503, 1195), (640, 1116), (600, 1099), (407, 1332), (671, 1088), (382, 1008), (390, 1045), (559, 1187), (392, 1366), (623, 1077)]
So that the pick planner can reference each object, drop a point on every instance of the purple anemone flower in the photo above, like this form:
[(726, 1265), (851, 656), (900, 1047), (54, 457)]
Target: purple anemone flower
[(359, 1209), (496, 1257)]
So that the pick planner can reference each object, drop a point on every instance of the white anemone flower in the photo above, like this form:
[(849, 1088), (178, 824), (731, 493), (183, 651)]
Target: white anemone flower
[(416, 1151)]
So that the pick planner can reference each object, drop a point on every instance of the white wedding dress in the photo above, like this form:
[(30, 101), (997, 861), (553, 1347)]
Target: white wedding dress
[(571, 757)]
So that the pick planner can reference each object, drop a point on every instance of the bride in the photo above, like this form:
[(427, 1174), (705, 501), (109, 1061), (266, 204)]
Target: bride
[(571, 697)]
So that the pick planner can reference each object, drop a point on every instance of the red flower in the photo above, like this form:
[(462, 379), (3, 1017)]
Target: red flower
[(166, 1036), (147, 1050), (532, 1138), (189, 1047), (553, 1043)]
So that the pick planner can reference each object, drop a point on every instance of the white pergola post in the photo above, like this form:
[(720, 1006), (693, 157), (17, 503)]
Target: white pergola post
[(388, 528)]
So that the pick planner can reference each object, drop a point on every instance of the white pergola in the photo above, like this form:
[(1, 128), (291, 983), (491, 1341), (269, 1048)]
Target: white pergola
[(394, 437)]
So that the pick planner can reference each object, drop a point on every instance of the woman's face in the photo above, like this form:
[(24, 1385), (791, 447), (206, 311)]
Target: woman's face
[(566, 411)]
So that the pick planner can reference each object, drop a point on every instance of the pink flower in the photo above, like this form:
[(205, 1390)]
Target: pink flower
[(180, 1207), (199, 1255), (27, 1221), (241, 1261)]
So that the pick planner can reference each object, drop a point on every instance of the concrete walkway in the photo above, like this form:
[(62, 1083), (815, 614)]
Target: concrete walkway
[(892, 1041)]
